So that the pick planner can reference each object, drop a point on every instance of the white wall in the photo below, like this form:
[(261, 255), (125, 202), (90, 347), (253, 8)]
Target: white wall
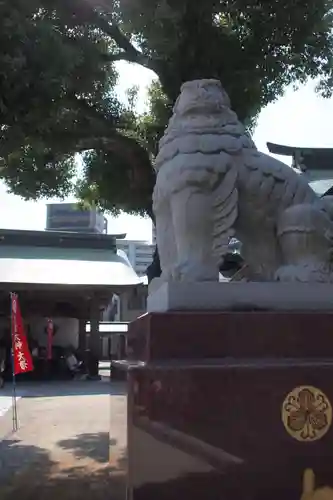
[(67, 331), (133, 304)]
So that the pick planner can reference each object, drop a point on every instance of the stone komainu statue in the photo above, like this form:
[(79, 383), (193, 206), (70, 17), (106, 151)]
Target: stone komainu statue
[(213, 184)]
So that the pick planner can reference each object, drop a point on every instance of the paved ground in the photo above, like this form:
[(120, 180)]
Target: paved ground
[(62, 446), (6, 401)]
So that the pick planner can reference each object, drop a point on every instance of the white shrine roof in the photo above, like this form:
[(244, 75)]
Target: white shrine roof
[(64, 264)]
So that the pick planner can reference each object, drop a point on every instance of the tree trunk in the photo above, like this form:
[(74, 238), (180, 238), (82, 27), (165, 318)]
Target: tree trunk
[(154, 269)]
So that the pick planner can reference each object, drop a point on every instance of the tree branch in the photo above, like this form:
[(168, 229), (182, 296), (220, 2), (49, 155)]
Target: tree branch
[(113, 141), (121, 56), (118, 36), (85, 11)]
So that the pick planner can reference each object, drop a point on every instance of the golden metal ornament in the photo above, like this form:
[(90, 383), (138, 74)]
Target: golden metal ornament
[(309, 488), (306, 413)]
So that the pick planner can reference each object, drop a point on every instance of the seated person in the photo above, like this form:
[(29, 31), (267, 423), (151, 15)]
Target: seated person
[(34, 347), (71, 360)]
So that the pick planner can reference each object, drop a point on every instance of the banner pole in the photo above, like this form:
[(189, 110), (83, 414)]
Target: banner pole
[(14, 399)]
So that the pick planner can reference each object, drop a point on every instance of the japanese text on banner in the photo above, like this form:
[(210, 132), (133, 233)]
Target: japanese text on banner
[(21, 354)]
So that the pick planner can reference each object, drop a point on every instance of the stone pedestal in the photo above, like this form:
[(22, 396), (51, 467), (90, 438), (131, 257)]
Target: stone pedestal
[(215, 296), (229, 405)]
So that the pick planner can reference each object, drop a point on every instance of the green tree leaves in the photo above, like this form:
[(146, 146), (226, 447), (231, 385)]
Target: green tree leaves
[(57, 80)]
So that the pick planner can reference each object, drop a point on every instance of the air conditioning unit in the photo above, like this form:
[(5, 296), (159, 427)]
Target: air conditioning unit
[(70, 217)]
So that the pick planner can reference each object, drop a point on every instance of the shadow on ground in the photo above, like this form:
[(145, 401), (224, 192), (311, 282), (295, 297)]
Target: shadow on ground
[(28, 472), (94, 446), (14, 458), (70, 388)]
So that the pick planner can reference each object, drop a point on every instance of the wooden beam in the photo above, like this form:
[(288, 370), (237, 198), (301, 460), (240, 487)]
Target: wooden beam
[(82, 335), (94, 337)]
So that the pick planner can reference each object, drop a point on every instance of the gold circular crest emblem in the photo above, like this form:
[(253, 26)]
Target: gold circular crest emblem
[(306, 413)]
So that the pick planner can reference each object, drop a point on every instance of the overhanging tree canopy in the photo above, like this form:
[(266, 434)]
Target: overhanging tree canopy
[(56, 95), (64, 104), (255, 47)]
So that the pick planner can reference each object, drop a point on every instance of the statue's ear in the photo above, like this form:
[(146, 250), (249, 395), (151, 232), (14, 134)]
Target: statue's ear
[(308, 484)]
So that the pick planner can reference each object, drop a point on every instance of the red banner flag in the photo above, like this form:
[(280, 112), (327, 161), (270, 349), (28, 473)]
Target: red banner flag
[(49, 329), (21, 354)]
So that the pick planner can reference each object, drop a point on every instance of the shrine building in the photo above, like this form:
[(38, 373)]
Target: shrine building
[(315, 163), (67, 276)]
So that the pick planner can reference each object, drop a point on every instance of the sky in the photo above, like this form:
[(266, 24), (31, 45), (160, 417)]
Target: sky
[(299, 118)]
